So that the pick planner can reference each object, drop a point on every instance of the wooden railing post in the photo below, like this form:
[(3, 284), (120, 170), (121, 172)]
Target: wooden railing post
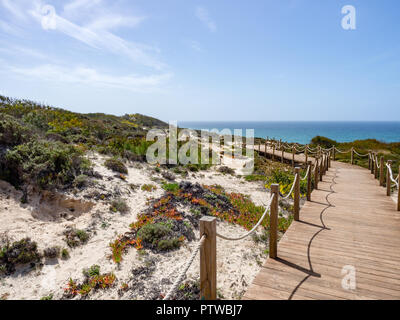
[(309, 181), (273, 151), (208, 259), (306, 153), (398, 192), (376, 168), (316, 174), (334, 153), (352, 155), (321, 168), (296, 205), (381, 177), (369, 160), (388, 181), (273, 222), (293, 156)]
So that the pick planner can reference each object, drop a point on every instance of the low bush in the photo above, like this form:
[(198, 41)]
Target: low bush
[(75, 237), (20, 252), (43, 163), (148, 187), (170, 187), (116, 165), (52, 252), (119, 205)]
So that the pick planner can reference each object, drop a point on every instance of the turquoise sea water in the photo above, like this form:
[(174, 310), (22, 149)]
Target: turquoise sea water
[(303, 132)]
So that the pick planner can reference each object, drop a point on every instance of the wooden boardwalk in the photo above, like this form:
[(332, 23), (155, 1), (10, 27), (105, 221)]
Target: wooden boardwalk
[(287, 156), (350, 224)]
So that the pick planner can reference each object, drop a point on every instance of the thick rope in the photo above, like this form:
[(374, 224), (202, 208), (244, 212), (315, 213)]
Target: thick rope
[(342, 151), (254, 228), (291, 190), (308, 170), (185, 269), (377, 162), (360, 155), (391, 175)]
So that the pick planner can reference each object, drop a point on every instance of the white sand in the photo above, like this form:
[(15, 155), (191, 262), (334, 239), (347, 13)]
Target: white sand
[(44, 222)]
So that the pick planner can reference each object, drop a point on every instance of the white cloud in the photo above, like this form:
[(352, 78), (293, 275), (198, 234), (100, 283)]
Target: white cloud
[(91, 77), (12, 7), (114, 21), (203, 15), (19, 50), (75, 5), (7, 28), (195, 45), (105, 40)]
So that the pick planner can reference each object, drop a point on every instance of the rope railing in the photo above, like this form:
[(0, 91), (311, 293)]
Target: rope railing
[(291, 190), (179, 279), (342, 151), (395, 180), (254, 228), (308, 171), (361, 155)]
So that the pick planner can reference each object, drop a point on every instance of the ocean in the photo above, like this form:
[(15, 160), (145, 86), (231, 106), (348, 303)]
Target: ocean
[(303, 132)]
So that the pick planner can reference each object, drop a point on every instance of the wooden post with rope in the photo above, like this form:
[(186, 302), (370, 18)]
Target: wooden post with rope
[(372, 163), (321, 168), (334, 153), (352, 155), (309, 181), (273, 231), (296, 205), (369, 160), (376, 167), (293, 156), (208, 259), (306, 153), (381, 177), (316, 174), (398, 191), (273, 151), (388, 181)]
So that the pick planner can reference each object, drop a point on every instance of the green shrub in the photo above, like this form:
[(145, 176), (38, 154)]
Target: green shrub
[(65, 254), (94, 270), (75, 237), (119, 205), (116, 165), (323, 142), (12, 132), (148, 187), (170, 187), (168, 244), (20, 252), (47, 164), (52, 252)]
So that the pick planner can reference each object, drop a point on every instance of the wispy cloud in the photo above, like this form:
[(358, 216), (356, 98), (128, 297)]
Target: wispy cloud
[(114, 21), (203, 15), (75, 5), (13, 8), (95, 34), (195, 45), (92, 77), (23, 51), (8, 28)]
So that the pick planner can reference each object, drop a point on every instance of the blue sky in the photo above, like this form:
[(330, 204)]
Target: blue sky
[(205, 60)]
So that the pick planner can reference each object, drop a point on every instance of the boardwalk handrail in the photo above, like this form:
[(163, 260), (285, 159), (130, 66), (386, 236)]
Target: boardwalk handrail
[(185, 269), (254, 228)]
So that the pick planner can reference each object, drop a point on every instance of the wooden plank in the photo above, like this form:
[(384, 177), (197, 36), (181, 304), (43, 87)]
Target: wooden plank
[(350, 221)]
